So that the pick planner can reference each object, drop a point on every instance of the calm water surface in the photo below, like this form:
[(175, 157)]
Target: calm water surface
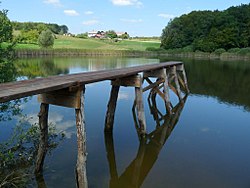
[(205, 144)]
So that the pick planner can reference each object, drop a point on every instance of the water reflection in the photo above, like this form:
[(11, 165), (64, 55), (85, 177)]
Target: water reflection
[(227, 81), (41, 67), (148, 150)]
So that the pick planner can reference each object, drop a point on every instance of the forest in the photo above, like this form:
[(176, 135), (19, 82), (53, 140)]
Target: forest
[(208, 31)]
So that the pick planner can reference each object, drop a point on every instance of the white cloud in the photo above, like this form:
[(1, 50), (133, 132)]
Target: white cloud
[(123, 96), (166, 16), (127, 3), (88, 12), (131, 20), (90, 22), (71, 13), (53, 2)]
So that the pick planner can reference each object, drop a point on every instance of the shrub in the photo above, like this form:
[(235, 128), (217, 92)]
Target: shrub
[(234, 50), (244, 51), (219, 51)]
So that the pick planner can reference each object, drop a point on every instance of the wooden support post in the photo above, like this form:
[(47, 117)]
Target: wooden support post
[(81, 176), (140, 109), (162, 77), (185, 78), (166, 92), (181, 69), (138, 164), (109, 120), (132, 81), (154, 110), (43, 141), (156, 89), (40, 181), (177, 85), (110, 150)]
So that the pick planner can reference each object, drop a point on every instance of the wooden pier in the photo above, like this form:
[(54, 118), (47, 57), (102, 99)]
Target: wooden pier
[(68, 91)]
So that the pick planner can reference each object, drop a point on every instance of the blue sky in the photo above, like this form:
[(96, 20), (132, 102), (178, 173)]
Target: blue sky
[(137, 17)]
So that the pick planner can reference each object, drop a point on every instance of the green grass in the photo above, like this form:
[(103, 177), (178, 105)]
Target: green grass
[(64, 42)]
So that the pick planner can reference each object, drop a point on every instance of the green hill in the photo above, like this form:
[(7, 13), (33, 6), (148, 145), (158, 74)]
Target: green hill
[(66, 42)]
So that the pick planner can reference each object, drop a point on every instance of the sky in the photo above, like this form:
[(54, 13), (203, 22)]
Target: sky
[(136, 17)]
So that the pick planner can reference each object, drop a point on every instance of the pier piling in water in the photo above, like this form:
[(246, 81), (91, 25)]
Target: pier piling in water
[(72, 97), (131, 81)]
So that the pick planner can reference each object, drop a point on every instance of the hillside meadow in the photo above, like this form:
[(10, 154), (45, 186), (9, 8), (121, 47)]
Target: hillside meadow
[(67, 42)]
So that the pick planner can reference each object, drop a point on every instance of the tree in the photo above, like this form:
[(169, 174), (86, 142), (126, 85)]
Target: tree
[(111, 34), (125, 35), (7, 69), (46, 39), (5, 27), (41, 27), (64, 29), (29, 37), (82, 35)]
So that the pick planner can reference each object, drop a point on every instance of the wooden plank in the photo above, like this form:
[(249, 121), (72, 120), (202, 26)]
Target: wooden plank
[(154, 73), (19, 89), (62, 97), (133, 81)]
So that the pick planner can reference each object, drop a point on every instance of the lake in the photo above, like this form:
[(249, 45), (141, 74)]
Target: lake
[(206, 143)]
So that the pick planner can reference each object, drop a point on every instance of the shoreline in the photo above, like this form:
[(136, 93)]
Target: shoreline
[(226, 56)]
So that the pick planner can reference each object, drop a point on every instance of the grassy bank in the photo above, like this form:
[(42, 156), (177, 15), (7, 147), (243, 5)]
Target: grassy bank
[(65, 42), (70, 46)]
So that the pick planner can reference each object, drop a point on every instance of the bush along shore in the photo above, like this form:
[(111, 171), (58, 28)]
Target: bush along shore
[(234, 54)]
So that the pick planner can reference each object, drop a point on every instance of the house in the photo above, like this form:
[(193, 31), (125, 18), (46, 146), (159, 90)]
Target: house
[(119, 34), (92, 33), (96, 34)]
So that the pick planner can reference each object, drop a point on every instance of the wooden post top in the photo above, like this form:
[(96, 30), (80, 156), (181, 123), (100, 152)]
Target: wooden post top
[(19, 89)]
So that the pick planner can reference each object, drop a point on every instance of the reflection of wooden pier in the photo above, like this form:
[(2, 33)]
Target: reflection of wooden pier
[(68, 91), (149, 148)]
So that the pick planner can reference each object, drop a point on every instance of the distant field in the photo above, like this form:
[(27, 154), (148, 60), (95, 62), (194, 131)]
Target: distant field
[(64, 42)]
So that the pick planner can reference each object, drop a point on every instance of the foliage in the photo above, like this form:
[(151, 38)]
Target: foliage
[(82, 35), (220, 51), (125, 35), (10, 109), (28, 37), (209, 30), (46, 39), (5, 27), (39, 26), (111, 34), (18, 153), (7, 69)]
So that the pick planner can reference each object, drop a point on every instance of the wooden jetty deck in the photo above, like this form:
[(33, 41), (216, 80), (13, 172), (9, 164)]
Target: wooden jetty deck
[(69, 90), (19, 89)]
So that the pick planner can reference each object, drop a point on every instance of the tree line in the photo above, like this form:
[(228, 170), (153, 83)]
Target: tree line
[(208, 31), (39, 26)]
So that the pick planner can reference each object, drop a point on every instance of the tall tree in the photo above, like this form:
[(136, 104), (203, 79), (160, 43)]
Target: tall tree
[(7, 70), (46, 39)]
